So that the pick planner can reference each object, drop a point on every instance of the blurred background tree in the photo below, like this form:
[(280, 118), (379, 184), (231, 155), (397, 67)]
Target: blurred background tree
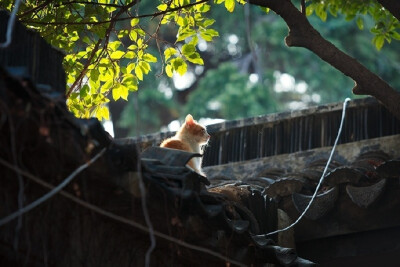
[(249, 71), (115, 47)]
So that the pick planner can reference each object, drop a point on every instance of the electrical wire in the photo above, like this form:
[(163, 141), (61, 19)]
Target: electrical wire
[(10, 25), (54, 191), (322, 176)]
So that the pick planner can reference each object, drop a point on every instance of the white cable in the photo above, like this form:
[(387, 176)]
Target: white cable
[(52, 192), (323, 174), (10, 25)]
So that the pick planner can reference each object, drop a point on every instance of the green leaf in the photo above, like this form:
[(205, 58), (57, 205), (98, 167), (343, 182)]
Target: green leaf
[(265, 9), (378, 41), (116, 93), (162, 7), (169, 71), (94, 74), (396, 35), (133, 35), (188, 49), (106, 86), (103, 113), (130, 67), (360, 23), (230, 5), (124, 92), (120, 91), (169, 52), (130, 55), (204, 8), (144, 66), (179, 66), (320, 10), (84, 91), (139, 72), (185, 33), (132, 47), (195, 58), (114, 45), (131, 82), (94, 85), (149, 58), (208, 22), (122, 33), (116, 55), (134, 22), (86, 40), (209, 34)]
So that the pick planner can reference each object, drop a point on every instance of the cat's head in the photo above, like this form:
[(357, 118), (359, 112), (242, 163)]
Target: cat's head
[(197, 131)]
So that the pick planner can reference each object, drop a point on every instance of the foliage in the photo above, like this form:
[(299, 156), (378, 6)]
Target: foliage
[(386, 25), (104, 58), (107, 41)]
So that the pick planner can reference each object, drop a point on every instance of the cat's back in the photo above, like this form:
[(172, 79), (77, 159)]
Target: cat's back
[(175, 144)]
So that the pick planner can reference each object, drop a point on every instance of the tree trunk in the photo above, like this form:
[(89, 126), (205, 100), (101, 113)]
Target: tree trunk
[(302, 34)]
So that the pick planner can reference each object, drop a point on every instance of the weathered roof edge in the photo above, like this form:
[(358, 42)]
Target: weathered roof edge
[(268, 118), (297, 161), (277, 117)]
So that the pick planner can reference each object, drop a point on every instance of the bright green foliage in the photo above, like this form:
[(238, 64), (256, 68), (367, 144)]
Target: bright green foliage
[(107, 41), (386, 25), (191, 25), (106, 57)]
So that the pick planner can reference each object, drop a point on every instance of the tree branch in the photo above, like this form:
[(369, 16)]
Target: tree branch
[(302, 34), (156, 14), (92, 55), (303, 7)]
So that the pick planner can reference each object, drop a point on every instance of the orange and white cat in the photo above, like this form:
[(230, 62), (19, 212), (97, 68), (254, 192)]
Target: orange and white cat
[(190, 137)]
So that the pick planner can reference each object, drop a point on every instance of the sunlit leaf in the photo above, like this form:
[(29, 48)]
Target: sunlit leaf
[(188, 49), (169, 71), (230, 5), (139, 72), (134, 22), (169, 52), (149, 58), (116, 54)]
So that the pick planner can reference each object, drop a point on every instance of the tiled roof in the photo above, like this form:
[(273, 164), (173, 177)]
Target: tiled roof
[(236, 219), (360, 178)]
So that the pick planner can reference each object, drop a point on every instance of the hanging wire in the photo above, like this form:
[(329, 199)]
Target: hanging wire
[(55, 190), (322, 176), (10, 25)]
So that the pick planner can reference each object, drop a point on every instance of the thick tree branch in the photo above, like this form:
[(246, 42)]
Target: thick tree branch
[(393, 6), (302, 34)]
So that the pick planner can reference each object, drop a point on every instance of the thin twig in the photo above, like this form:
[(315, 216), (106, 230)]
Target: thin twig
[(41, 6), (89, 3), (303, 7), (120, 218), (85, 68), (95, 49), (117, 19)]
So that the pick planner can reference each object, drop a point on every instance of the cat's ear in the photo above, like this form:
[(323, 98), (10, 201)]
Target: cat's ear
[(189, 120)]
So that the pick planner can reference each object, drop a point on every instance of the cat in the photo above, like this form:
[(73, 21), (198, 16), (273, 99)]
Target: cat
[(190, 137)]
